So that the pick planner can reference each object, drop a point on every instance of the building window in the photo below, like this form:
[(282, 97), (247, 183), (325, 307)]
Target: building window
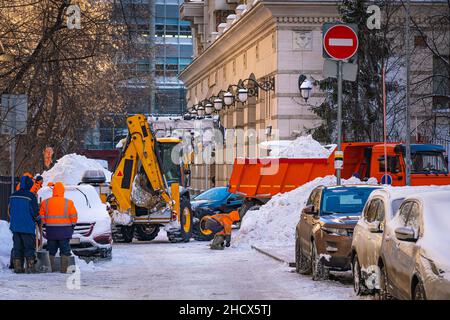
[(441, 83), (234, 67)]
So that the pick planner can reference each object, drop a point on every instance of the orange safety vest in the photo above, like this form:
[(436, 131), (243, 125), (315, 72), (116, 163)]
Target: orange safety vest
[(58, 211), (226, 220)]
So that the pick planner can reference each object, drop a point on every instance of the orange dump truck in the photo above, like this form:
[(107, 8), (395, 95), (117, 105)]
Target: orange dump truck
[(259, 179)]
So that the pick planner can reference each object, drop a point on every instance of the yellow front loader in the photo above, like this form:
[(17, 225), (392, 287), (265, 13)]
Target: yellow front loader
[(145, 187)]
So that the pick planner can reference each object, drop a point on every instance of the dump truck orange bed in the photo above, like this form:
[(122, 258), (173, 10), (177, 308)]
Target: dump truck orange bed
[(263, 178)]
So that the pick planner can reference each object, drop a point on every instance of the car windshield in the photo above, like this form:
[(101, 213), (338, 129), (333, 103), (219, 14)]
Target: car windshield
[(428, 162), (213, 194), (345, 200)]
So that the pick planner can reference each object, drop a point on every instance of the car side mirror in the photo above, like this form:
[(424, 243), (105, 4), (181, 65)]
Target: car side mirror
[(374, 227), (406, 234), (309, 210)]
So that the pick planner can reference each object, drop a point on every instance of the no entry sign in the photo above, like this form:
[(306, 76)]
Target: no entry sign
[(340, 41)]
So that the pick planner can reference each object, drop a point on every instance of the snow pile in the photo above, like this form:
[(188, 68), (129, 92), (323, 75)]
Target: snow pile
[(302, 147), (70, 169), (274, 223), (6, 244)]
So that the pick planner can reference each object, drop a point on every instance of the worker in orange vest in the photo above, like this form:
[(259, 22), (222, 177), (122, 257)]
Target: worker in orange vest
[(25, 174), (59, 217), (221, 225), (38, 181)]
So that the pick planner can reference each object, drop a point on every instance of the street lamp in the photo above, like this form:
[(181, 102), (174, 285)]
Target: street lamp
[(305, 87), (200, 110), (218, 104), (242, 95), (228, 98), (208, 107)]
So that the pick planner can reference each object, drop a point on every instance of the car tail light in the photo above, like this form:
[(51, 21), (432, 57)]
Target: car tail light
[(105, 238)]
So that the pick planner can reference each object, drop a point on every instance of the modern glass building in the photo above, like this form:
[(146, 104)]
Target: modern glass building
[(173, 54), (162, 47)]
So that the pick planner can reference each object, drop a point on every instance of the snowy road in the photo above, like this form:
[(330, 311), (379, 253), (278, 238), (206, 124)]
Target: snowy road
[(161, 270)]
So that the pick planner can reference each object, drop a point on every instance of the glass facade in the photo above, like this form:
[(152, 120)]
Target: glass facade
[(171, 53)]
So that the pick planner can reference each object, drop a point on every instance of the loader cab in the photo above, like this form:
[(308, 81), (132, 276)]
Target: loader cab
[(172, 170)]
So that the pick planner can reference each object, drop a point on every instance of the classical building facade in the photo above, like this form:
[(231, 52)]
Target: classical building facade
[(276, 40)]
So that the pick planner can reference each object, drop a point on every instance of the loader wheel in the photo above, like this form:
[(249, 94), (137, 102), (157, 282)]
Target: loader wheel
[(146, 232), (123, 234), (199, 231), (185, 232)]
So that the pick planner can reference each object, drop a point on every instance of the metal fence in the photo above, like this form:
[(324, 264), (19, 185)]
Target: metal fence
[(5, 192)]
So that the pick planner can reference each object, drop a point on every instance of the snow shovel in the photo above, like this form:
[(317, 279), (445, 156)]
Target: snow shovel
[(43, 257)]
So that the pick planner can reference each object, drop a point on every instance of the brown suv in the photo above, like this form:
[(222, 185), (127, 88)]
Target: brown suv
[(324, 232)]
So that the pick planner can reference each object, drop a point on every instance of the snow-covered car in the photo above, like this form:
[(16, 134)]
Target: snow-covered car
[(414, 251), (92, 234), (380, 209)]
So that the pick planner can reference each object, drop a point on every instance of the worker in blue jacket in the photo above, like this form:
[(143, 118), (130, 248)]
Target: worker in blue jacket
[(24, 214)]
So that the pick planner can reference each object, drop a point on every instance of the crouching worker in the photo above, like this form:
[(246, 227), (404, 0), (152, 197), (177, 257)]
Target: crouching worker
[(59, 216), (221, 225), (24, 214)]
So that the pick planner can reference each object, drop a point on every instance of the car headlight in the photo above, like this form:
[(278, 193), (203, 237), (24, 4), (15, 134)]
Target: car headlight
[(338, 231)]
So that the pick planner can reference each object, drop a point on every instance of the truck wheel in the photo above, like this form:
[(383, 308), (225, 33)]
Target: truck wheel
[(185, 232), (146, 232), (199, 231), (319, 271), (123, 234)]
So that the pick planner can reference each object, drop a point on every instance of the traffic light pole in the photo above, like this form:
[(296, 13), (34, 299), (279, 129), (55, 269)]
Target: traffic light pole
[(339, 118)]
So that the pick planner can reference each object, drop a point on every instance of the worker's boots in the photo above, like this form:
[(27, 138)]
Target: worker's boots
[(31, 265), (18, 265), (64, 263), (218, 242), (52, 263)]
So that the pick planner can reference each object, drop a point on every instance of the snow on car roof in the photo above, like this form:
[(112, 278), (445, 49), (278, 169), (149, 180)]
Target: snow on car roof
[(436, 226), (403, 192)]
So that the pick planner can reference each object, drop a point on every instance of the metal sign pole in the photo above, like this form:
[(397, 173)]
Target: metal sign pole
[(13, 149), (339, 118), (407, 113)]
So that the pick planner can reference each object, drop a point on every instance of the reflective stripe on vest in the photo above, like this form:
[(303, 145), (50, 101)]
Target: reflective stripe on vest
[(66, 211)]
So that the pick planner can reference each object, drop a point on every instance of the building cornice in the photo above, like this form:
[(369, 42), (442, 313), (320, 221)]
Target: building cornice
[(262, 17)]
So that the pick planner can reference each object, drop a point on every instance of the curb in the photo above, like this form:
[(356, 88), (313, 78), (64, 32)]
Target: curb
[(273, 256)]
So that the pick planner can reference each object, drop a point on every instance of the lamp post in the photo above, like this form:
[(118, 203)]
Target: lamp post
[(305, 87)]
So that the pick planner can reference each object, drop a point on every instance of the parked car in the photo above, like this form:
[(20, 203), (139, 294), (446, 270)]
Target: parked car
[(212, 201), (368, 235), (324, 232), (415, 252), (92, 235), (217, 199)]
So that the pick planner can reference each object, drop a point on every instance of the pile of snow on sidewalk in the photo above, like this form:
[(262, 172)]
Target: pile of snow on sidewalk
[(5, 244), (274, 223), (302, 147), (70, 169)]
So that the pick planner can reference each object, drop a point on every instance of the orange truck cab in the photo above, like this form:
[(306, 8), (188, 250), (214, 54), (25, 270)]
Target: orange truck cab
[(259, 179)]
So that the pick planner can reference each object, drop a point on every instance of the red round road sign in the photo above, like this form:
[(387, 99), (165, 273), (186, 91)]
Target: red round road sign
[(340, 42)]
